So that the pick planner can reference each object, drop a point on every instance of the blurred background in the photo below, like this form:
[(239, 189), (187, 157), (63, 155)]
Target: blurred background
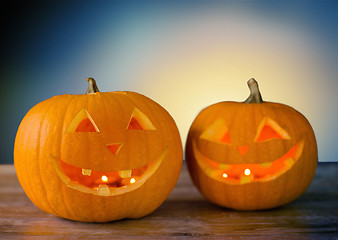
[(185, 55)]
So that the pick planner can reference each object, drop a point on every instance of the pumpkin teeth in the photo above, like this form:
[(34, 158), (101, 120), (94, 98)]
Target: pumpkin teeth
[(289, 162), (125, 173), (266, 164), (103, 190), (75, 178), (223, 166), (246, 179), (86, 172)]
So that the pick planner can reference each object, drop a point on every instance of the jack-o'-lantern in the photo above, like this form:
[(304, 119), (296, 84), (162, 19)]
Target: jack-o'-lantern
[(251, 155), (99, 156)]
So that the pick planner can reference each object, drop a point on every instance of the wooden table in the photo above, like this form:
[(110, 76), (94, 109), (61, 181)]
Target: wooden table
[(184, 215)]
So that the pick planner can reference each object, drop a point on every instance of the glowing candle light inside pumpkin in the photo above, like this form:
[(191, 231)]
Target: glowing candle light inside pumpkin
[(247, 172), (225, 175), (104, 178), (132, 180)]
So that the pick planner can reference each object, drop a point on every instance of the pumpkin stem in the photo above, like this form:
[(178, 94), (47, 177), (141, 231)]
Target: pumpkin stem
[(92, 87), (255, 95)]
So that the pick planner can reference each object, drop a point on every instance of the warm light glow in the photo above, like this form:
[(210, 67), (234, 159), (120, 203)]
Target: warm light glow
[(221, 59), (139, 121), (247, 172), (132, 180), (104, 178), (82, 122), (105, 183), (269, 129), (242, 173)]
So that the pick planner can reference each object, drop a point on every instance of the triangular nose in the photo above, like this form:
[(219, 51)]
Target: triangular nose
[(114, 147), (243, 149)]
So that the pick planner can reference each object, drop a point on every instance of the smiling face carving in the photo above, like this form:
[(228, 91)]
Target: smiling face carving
[(244, 173), (98, 157), (251, 155), (235, 151), (106, 183)]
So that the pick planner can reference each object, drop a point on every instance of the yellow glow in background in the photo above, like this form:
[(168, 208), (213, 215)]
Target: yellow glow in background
[(185, 55), (193, 59)]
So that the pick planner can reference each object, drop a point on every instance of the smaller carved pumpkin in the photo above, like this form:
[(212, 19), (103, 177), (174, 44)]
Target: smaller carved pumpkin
[(251, 155), (99, 156)]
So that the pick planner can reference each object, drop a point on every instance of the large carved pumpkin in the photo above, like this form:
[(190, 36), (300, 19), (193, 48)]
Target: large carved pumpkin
[(99, 156), (251, 155)]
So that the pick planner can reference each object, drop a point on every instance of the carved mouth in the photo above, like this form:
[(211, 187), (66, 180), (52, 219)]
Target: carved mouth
[(247, 173), (105, 183)]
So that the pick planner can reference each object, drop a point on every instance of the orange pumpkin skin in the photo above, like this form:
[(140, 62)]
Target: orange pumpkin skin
[(49, 155), (281, 166)]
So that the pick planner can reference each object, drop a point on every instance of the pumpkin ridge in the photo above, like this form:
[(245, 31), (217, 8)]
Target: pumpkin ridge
[(47, 109), (43, 134), (290, 138), (64, 127), (25, 177)]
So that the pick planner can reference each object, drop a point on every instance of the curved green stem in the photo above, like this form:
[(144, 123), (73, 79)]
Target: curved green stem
[(255, 95), (92, 87)]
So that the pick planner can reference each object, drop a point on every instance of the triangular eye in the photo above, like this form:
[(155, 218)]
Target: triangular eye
[(269, 129), (226, 138), (82, 122), (217, 132), (139, 121)]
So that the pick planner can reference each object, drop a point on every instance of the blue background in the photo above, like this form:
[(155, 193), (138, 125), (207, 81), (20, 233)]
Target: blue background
[(183, 54)]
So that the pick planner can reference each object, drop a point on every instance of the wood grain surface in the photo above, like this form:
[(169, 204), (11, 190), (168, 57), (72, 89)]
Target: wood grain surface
[(184, 215)]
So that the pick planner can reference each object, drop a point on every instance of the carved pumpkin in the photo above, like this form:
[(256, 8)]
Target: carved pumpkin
[(251, 155), (98, 157)]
